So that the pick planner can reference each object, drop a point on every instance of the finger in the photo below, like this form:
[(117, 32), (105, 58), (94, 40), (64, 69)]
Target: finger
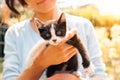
[(66, 47), (65, 52), (64, 57), (71, 54)]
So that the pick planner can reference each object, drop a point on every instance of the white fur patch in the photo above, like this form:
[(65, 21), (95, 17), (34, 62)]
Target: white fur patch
[(90, 70)]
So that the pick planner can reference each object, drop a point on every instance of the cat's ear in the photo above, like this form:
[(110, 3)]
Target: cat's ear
[(61, 18), (37, 22), (41, 29)]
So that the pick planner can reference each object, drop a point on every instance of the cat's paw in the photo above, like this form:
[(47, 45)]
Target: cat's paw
[(89, 70)]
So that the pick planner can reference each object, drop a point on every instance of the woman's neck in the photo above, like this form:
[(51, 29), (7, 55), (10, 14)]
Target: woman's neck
[(53, 14)]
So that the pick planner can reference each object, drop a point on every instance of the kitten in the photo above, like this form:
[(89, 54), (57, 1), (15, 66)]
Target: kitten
[(53, 32)]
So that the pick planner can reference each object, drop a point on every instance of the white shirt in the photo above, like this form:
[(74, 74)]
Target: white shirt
[(20, 38)]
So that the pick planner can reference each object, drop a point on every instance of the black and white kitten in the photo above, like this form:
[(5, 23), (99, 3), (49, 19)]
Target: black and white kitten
[(53, 32)]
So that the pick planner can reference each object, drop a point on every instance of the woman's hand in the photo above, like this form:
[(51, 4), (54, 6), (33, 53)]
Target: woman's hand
[(53, 55)]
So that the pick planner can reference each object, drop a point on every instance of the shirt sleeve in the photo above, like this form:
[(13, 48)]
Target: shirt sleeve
[(11, 59), (95, 52)]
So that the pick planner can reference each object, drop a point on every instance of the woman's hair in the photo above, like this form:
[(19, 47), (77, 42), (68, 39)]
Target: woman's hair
[(11, 5)]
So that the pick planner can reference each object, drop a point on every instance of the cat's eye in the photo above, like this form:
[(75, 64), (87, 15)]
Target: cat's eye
[(47, 35), (58, 32)]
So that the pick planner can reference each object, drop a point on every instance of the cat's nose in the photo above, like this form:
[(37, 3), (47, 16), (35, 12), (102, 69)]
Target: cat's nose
[(54, 40)]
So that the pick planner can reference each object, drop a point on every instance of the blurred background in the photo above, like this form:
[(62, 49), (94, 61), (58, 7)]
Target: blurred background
[(104, 14)]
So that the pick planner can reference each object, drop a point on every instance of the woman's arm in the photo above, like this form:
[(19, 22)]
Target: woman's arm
[(31, 73), (11, 58)]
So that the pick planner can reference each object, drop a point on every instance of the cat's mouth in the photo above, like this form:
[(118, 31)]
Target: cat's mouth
[(54, 42)]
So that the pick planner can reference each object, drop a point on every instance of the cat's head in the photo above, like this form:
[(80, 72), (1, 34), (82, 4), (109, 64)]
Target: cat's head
[(53, 31)]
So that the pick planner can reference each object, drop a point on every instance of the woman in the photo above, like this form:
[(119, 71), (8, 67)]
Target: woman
[(22, 37)]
